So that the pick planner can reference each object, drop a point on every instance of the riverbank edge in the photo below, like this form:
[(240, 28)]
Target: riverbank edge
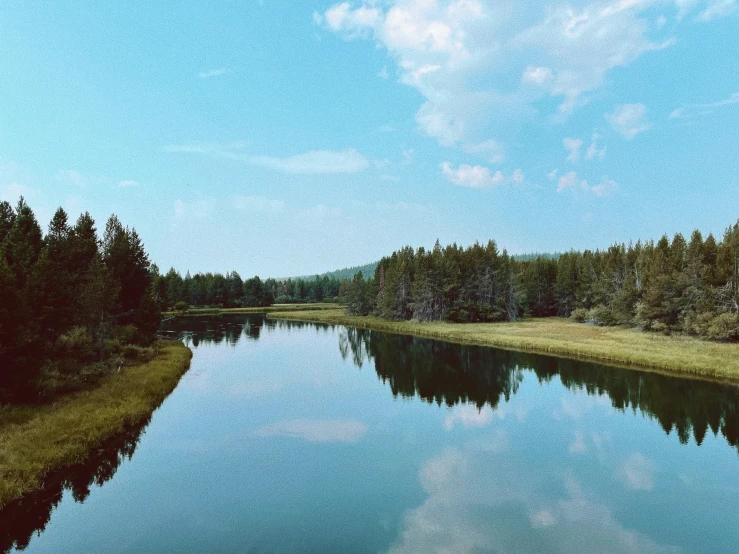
[(49, 438), (677, 356)]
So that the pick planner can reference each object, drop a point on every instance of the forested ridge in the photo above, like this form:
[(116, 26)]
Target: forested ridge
[(72, 306), (684, 286)]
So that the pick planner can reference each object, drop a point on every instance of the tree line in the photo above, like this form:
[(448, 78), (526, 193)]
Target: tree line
[(230, 291), (70, 302), (686, 286)]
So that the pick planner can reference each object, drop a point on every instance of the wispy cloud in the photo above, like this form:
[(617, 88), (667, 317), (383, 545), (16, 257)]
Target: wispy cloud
[(718, 8), (695, 110), (629, 119), (214, 73), (127, 183), (315, 162), (593, 151), (231, 150), (572, 145), (312, 162), (570, 181)]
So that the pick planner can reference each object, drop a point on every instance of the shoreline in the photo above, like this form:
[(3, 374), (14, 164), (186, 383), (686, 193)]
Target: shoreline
[(677, 356), (39, 441)]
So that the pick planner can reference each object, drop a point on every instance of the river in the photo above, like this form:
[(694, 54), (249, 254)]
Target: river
[(291, 437)]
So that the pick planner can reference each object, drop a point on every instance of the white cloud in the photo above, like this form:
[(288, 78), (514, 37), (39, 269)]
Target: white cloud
[(315, 162), (582, 44), (407, 155), (310, 163), (606, 187), (718, 8), (552, 175), (570, 181), (572, 145), (593, 151), (127, 183), (322, 431), (629, 119), (518, 176), (231, 150), (637, 472), (538, 76), (489, 150), (214, 73), (451, 52), (476, 176), (383, 73), (694, 110)]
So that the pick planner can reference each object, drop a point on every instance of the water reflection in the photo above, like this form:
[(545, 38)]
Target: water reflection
[(229, 328), (20, 520), (452, 374)]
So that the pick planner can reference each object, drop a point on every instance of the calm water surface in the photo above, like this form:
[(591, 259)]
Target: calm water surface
[(288, 437)]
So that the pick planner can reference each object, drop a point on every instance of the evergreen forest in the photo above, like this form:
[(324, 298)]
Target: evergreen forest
[(73, 305), (688, 286)]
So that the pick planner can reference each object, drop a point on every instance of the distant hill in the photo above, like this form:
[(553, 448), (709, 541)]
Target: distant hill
[(367, 270)]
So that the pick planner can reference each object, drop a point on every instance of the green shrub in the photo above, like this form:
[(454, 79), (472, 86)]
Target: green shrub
[(76, 344), (723, 327), (580, 315), (181, 306), (135, 353), (602, 315)]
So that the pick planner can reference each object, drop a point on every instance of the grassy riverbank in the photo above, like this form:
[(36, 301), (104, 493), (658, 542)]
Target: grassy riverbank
[(262, 310), (561, 337), (38, 440)]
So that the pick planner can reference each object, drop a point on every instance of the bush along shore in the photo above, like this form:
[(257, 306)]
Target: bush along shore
[(675, 355), (37, 440)]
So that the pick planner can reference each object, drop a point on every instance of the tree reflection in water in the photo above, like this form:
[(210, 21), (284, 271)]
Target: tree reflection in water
[(445, 373), (22, 518)]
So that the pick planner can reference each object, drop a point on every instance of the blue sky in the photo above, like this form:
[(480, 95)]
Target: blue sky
[(284, 138)]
